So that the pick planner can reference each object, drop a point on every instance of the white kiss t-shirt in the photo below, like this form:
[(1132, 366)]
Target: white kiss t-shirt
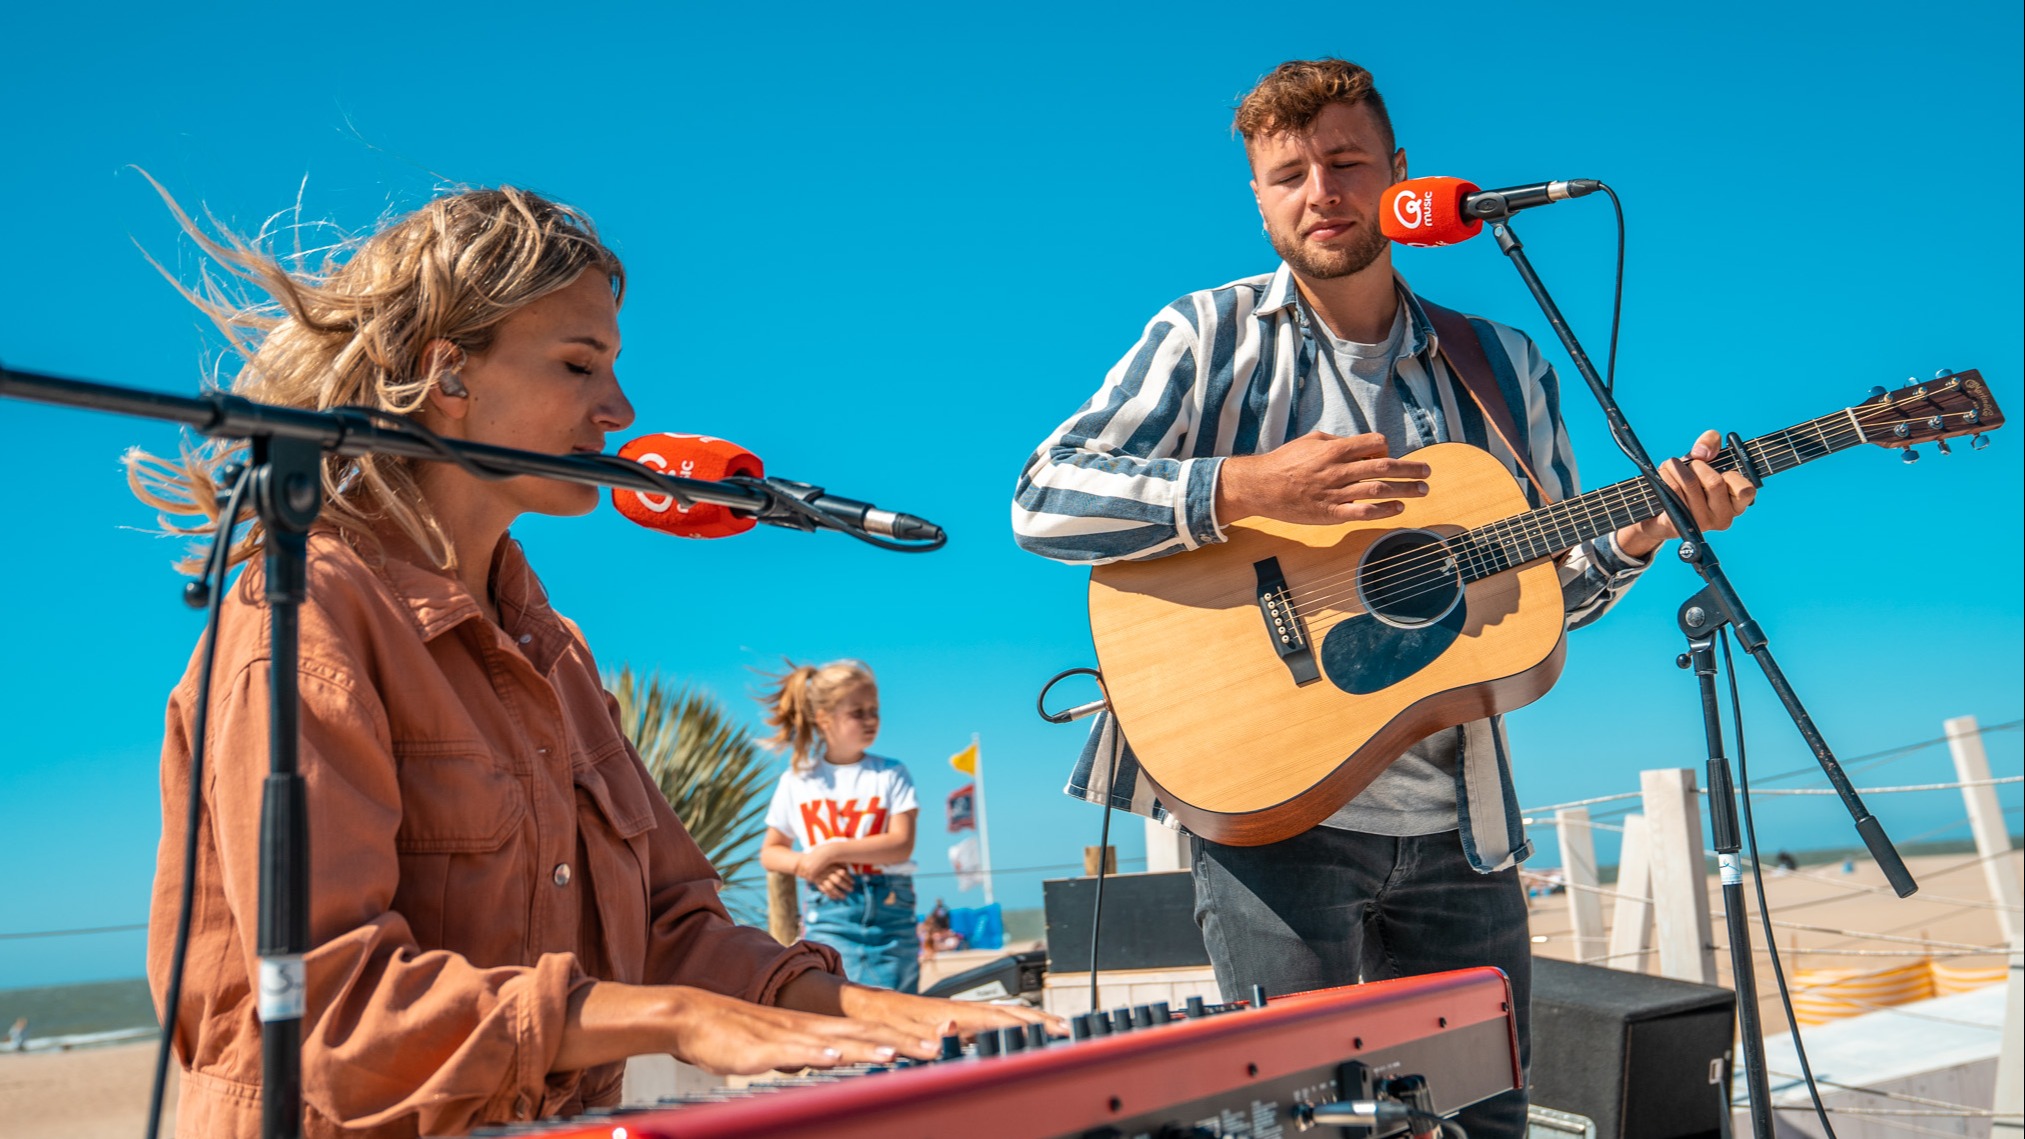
[(838, 801)]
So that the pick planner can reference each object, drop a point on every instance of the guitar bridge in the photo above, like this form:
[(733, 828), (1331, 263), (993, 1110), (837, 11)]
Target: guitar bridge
[(1285, 627)]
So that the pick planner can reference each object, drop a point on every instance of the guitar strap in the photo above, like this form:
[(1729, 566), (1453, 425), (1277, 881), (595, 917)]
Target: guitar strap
[(1462, 349)]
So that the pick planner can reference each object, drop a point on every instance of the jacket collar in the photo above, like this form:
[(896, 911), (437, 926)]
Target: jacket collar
[(437, 602), (1283, 294)]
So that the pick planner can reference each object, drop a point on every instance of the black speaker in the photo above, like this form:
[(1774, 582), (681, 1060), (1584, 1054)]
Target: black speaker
[(1149, 922), (1644, 1057)]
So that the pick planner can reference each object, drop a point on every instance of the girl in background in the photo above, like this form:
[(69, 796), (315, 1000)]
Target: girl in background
[(852, 815)]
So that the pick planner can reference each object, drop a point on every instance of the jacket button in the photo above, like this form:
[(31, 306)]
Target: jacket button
[(562, 874)]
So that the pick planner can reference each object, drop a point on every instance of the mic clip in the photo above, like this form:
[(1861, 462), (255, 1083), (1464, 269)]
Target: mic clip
[(775, 513), (1496, 205)]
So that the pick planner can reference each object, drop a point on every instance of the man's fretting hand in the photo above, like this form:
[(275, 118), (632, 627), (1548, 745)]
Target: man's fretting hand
[(1319, 479), (1713, 498)]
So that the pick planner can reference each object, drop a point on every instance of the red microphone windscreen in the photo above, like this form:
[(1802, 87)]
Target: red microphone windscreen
[(1428, 211), (689, 457)]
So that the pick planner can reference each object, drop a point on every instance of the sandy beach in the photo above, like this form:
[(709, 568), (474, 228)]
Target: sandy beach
[(102, 1093)]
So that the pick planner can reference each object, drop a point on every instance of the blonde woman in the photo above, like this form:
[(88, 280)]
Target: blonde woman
[(852, 815), (504, 907)]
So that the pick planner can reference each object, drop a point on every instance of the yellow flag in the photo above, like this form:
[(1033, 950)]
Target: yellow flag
[(965, 760)]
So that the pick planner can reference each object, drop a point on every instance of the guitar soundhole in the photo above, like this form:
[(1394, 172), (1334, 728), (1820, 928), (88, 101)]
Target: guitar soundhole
[(1409, 579)]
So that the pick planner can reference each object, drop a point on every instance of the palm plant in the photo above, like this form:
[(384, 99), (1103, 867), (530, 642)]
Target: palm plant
[(709, 769)]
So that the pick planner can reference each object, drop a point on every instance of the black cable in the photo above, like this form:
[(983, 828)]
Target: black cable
[(1421, 1122), (1104, 830), (1103, 848), (1617, 292), (207, 591), (1758, 880)]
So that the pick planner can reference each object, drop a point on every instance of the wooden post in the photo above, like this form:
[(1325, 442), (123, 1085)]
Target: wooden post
[(1090, 861), (1631, 916), (2009, 1102), (1680, 889), (1986, 819), (1166, 848), (783, 920), (1578, 870)]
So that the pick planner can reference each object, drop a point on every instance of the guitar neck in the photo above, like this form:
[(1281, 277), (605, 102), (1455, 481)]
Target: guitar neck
[(1545, 533)]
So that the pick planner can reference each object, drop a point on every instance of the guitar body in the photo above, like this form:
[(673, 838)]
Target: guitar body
[(1240, 749), (1266, 680)]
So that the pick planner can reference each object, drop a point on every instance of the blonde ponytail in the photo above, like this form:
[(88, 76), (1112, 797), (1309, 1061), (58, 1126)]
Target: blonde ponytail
[(798, 695)]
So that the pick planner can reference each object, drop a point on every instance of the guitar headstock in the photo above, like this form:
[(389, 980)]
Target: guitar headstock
[(1949, 405)]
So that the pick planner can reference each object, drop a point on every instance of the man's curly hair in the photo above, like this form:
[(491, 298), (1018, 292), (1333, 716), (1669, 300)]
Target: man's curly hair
[(1295, 92)]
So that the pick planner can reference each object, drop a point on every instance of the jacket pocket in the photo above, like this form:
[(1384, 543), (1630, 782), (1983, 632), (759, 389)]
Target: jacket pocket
[(609, 780), (455, 798), (615, 823)]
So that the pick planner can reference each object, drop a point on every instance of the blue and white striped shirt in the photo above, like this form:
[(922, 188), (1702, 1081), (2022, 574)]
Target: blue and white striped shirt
[(1132, 475)]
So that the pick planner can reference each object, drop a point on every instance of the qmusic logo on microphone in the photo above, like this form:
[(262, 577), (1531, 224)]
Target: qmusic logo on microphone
[(1408, 210), (1428, 211), (689, 457)]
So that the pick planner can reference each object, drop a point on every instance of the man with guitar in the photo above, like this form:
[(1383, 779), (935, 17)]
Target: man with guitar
[(1284, 396)]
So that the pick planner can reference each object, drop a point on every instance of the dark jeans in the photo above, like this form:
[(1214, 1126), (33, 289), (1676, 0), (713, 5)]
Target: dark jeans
[(1334, 907)]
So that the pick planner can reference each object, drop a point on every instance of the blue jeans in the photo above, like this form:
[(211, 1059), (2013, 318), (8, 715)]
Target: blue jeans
[(1335, 907), (872, 927)]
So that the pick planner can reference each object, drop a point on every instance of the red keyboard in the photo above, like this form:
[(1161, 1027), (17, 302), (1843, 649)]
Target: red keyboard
[(1232, 1071)]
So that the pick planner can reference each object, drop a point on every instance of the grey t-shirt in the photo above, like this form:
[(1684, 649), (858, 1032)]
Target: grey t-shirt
[(1354, 389)]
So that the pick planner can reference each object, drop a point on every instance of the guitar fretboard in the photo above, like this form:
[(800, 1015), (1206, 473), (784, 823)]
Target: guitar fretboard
[(1544, 533)]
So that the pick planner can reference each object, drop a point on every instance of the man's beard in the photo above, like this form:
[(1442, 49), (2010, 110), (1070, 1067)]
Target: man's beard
[(1322, 264)]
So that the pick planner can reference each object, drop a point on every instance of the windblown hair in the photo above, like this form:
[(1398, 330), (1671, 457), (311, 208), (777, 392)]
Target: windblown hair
[(350, 325), (1289, 98), (798, 695)]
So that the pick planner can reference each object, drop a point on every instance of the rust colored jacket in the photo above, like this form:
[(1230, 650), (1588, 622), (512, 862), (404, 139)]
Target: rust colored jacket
[(483, 842)]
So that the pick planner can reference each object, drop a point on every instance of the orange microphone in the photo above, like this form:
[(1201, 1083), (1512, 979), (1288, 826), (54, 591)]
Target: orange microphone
[(1428, 211), (1443, 211), (688, 457)]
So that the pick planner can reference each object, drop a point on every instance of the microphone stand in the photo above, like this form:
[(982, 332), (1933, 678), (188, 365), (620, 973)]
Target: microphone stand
[(1714, 606), (287, 446)]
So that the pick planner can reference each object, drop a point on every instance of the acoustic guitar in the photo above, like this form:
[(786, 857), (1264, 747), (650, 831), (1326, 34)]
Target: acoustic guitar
[(1266, 680)]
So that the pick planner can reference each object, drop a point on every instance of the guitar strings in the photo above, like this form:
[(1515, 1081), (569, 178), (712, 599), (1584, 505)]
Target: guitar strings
[(1483, 549), (1633, 493)]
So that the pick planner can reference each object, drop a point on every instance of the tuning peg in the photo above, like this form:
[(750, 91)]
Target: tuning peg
[(1942, 446), (1944, 373), (1910, 456), (1978, 441), (1877, 391)]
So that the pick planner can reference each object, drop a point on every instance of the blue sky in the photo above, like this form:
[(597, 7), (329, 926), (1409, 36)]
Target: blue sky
[(889, 248)]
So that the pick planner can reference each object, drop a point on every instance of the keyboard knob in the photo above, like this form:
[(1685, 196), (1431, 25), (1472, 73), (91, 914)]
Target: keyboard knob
[(952, 1048), (1142, 1016), (1011, 1040), (1161, 1013), (1121, 1020), (1079, 1026), (1196, 1009), (1037, 1035), (987, 1043)]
